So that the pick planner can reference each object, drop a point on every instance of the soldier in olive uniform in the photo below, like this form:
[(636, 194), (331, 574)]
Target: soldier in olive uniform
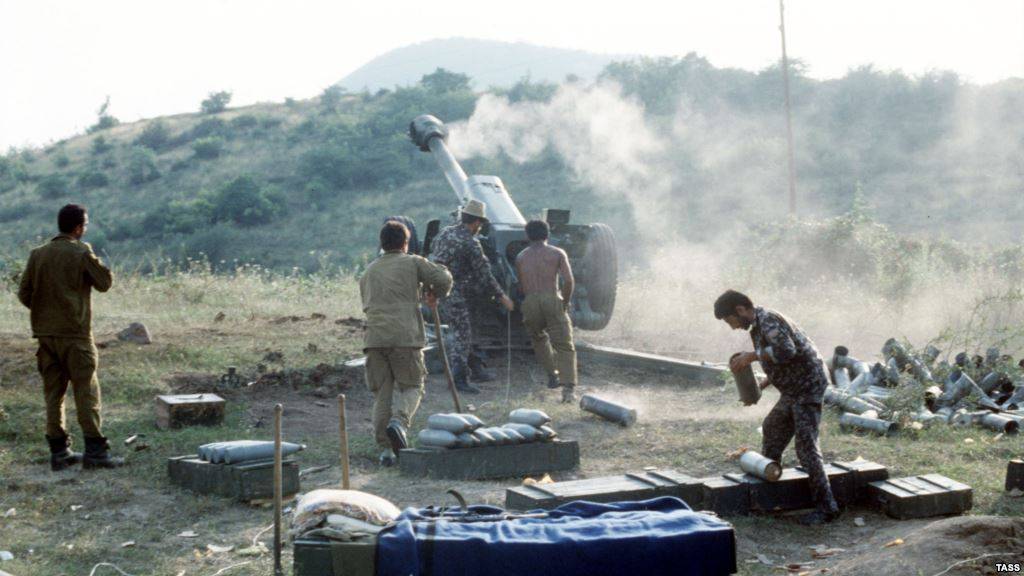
[(458, 248), (795, 368), (56, 286), (544, 307), (394, 339)]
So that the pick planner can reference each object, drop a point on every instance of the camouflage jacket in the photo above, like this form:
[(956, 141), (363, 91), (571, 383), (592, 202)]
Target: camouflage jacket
[(789, 358), (459, 250), (57, 284)]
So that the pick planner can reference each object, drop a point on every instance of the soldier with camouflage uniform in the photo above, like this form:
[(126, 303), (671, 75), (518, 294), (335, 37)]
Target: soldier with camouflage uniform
[(457, 248), (795, 368)]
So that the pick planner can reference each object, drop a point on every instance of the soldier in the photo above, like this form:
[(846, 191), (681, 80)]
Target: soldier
[(394, 337), (458, 248), (56, 287), (795, 368), (545, 307)]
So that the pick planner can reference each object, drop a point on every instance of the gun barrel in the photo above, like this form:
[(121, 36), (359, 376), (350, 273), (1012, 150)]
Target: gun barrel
[(431, 135)]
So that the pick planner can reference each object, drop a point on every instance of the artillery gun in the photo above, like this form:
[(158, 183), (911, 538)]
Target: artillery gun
[(591, 247)]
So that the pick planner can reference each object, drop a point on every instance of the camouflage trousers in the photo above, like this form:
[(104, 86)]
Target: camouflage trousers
[(455, 313), (788, 419)]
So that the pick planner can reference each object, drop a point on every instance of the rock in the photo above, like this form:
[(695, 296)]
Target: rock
[(135, 332), (5, 556), (220, 317)]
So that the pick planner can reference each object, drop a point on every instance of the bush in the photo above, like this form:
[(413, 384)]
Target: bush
[(244, 202), (208, 148), (92, 179), (215, 102), (60, 158), (180, 216), (142, 166), (52, 186), (209, 127), (331, 97), (155, 136), (100, 145), (103, 119), (244, 122)]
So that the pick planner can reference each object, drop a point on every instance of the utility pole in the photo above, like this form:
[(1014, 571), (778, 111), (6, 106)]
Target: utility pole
[(789, 120)]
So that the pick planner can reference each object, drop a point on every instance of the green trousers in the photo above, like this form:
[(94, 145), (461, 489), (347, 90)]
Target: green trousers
[(64, 361), (390, 370), (550, 331)]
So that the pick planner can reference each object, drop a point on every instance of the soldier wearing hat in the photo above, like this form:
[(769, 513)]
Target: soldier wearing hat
[(458, 248)]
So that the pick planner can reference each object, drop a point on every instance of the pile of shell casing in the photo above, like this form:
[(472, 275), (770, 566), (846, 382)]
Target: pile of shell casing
[(984, 391)]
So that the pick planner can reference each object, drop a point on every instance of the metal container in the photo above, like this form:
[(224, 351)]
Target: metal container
[(847, 402), (746, 384), (884, 427), (841, 378), (755, 464), (1000, 423), (608, 410)]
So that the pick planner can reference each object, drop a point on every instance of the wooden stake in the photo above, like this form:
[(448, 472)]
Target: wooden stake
[(343, 435), (444, 359), (278, 411)]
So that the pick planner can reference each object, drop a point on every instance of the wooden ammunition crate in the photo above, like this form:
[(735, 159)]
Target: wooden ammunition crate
[(322, 557), (640, 486), (509, 461), (726, 495), (921, 496), (243, 481), (864, 473), (179, 411)]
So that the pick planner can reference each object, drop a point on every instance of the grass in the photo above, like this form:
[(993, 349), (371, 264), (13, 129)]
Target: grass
[(689, 429)]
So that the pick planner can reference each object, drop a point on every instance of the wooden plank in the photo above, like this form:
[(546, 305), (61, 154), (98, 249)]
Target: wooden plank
[(630, 486), (691, 372), (923, 496)]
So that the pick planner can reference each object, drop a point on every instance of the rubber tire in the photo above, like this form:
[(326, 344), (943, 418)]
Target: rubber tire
[(602, 275)]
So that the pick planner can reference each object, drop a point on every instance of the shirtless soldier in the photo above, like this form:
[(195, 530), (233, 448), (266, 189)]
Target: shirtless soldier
[(545, 308)]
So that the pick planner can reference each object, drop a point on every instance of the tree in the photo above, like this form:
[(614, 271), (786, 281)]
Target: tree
[(216, 102), (331, 97), (155, 136), (441, 81), (103, 119), (244, 202), (142, 166)]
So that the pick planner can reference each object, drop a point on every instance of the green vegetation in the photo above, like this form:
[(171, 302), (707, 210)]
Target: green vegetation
[(215, 102)]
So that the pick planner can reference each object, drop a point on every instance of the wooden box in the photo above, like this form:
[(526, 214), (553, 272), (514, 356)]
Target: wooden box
[(322, 557), (726, 495), (639, 486), (181, 410), (244, 481), (509, 461), (864, 473), (921, 496)]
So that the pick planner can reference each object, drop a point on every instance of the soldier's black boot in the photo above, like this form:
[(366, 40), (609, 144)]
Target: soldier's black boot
[(397, 436), (61, 456), (97, 455), (461, 382), (478, 371), (553, 381)]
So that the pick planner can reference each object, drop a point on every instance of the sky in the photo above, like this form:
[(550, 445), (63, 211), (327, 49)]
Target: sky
[(61, 59)]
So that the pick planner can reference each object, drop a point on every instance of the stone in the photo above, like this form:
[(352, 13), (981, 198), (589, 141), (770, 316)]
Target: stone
[(135, 332)]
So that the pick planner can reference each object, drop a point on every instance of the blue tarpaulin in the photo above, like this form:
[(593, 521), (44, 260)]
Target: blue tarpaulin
[(658, 536)]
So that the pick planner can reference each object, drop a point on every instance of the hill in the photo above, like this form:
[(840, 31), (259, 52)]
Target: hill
[(487, 62)]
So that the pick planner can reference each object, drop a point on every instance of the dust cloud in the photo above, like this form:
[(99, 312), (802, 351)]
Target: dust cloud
[(697, 243)]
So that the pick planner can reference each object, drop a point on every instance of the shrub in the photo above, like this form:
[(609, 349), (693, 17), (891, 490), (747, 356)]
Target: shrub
[(180, 216), (155, 136), (100, 145), (103, 119), (142, 166), (60, 158), (208, 148), (209, 127), (52, 186), (244, 122), (215, 102), (92, 179), (244, 202)]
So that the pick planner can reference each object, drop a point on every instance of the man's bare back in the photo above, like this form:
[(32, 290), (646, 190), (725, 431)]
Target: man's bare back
[(538, 267)]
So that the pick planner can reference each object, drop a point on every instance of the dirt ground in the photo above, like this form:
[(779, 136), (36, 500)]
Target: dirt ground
[(683, 426)]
